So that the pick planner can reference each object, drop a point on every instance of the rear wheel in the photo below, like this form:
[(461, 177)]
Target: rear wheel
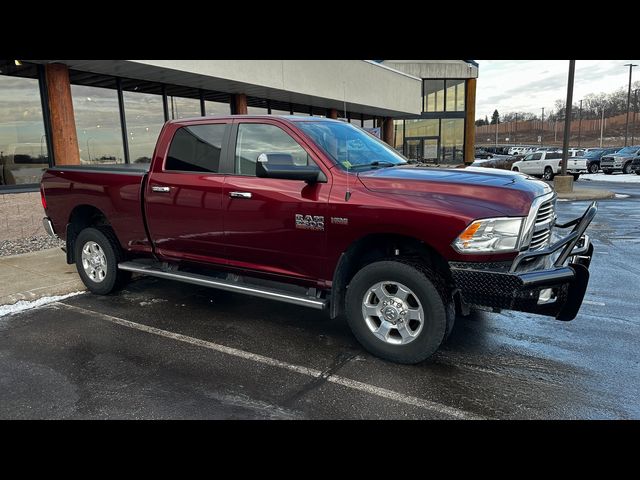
[(515, 169), (576, 176), (638, 172), (627, 168), (548, 174), (97, 255), (593, 168), (398, 310)]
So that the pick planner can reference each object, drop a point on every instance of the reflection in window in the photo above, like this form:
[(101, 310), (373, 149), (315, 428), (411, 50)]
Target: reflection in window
[(145, 117), (257, 138), (368, 123), (181, 107), (398, 135), (452, 140), (280, 112), (257, 110), (23, 146), (433, 96), (422, 128), (455, 95), (196, 148), (356, 120), (216, 108), (97, 124)]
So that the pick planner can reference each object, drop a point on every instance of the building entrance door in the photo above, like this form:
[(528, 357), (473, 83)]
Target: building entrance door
[(423, 149)]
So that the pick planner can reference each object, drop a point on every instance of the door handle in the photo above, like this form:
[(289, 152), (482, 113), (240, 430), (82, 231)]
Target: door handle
[(156, 188), (240, 194)]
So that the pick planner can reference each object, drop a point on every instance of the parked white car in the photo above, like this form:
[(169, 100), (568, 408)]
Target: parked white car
[(543, 164)]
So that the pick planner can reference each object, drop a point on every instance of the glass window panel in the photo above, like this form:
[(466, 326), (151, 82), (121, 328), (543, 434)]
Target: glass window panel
[(356, 120), (455, 95), (422, 128), (23, 146), (196, 148), (145, 117), (398, 134), (368, 123), (280, 112), (257, 138), (257, 111), (452, 140), (97, 124), (433, 96), (181, 107), (217, 108)]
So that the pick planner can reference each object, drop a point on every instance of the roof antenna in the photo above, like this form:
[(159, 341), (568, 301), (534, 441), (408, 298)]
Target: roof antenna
[(347, 194)]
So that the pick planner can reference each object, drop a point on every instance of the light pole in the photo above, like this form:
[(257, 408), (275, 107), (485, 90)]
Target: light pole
[(542, 129), (497, 121), (626, 132), (515, 133), (601, 127), (579, 123), (567, 119), (635, 111)]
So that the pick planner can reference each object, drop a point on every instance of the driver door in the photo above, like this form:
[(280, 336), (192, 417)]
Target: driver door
[(263, 230)]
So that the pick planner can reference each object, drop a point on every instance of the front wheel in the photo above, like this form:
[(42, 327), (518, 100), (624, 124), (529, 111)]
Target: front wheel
[(638, 172), (548, 174), (97, 255), (398, 310), (593, 168), (515, 169), (627, 168)]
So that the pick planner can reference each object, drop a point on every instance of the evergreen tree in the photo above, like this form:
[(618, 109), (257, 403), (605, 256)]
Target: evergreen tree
[(495, 118)]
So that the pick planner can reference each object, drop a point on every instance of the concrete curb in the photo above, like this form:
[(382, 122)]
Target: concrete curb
[(586, 194), (30, 276)]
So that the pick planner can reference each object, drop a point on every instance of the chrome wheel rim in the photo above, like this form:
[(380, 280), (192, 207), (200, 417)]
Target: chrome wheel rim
[(547, 175), (593, 168), (393, 313), (94, 261)]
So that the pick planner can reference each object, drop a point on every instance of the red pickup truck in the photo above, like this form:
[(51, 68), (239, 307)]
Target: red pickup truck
[(320, 213)]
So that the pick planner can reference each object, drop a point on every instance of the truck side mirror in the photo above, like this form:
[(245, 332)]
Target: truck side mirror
[(281, 165)]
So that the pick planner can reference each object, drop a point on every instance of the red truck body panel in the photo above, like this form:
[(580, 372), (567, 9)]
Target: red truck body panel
[(197, 220)]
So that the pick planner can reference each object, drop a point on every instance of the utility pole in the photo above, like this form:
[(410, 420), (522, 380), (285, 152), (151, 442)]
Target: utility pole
[(497, 121), (635, 111), (579, 123), (515, 133), (555, 130), (567, 119), (626, 132), (542, 129), (601, 126)]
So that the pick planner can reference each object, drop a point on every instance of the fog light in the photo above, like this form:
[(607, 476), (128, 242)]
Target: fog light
[(546, 296)]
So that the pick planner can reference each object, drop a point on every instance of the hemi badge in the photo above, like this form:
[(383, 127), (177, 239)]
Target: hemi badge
[(340, 220)]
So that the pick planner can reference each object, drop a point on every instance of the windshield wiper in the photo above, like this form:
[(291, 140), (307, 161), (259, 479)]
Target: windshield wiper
[(378, 163)]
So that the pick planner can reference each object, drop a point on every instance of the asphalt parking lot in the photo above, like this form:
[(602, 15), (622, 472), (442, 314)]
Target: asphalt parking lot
[(160, 349)]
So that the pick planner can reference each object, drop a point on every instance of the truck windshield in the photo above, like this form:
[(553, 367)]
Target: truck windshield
[(350, 146), (627, 151)]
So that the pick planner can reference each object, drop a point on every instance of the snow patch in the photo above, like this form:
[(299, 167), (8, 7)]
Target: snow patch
[(622, 195), (152, 301), (28, 304), (613, 178)]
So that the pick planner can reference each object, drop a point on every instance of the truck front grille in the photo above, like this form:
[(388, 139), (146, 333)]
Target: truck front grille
[(545, 219)]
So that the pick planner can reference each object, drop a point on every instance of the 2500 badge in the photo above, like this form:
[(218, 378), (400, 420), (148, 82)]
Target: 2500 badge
[(309, 222)]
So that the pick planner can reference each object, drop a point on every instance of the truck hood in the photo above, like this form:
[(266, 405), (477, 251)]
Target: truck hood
[(508, 193)]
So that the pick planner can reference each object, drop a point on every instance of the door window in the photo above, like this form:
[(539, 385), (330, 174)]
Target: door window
[(196, 148), (257, 138)]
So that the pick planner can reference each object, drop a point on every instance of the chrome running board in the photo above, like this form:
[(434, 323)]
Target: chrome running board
[(232, 286)]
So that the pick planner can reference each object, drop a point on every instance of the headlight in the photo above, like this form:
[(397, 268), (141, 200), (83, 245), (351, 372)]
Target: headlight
[(490, 235)]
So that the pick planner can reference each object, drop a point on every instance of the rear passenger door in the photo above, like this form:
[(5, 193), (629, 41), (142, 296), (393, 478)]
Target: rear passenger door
[(184, 207)]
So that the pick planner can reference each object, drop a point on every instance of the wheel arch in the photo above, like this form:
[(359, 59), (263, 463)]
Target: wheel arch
[(81, 217), (378, 246)]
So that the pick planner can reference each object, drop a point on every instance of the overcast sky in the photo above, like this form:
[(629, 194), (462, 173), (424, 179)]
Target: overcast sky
[(529, 85)]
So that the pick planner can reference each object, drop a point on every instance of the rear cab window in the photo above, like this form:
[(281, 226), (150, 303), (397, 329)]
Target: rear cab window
[(196, 149)]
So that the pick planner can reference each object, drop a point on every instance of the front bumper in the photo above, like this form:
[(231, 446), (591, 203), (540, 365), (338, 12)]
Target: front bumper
[(550, 281)]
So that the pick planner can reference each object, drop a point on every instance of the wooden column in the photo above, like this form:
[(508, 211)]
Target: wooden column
[(63, 123), (240, 104), (387, 130), (470, 121), (332, 113)]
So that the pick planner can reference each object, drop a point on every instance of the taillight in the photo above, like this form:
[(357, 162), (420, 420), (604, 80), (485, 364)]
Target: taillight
[(44, 200)]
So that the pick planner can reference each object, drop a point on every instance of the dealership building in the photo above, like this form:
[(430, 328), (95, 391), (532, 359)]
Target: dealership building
[(65, 112)]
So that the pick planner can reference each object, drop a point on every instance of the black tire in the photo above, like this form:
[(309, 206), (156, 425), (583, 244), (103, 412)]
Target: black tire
[(607, 172), (638, 172), (515, 169), (627, 168), (548, 174), (594, 168), (576, 176), (106, 240), (427, 286)]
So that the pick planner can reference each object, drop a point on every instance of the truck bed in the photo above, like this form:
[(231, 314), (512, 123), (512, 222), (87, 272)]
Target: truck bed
[(113, 190)]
